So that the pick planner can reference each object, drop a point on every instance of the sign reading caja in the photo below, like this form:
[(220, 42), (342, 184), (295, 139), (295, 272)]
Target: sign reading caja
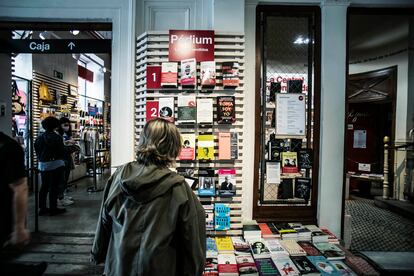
[(184, 44)]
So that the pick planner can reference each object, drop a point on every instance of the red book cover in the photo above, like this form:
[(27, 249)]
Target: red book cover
[(265, 229), (151, 110), (230, 74), (169, 74), (309, 248)]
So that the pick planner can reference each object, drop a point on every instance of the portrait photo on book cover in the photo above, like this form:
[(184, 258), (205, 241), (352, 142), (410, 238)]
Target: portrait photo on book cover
[(258, 248), (207, 183), (289, 162), (226, 185)]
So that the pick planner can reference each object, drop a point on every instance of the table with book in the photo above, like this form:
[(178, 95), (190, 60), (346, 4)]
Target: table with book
[(274, 249)]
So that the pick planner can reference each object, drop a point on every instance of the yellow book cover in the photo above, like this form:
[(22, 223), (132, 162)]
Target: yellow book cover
[(290, 162), (205, 150), (224, 244)]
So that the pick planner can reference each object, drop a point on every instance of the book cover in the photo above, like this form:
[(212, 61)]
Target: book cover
[(205, 149), (323, 265), (303, 188), (275, 248), (227, 181), (227, 264), (330, 251), (264, 228), (285, 189), (294, 86), (208, 73), (275, 147), (188, 72), (211, 267), (251, 232), (266, 267), (211, 248), (226, 113), (153, 76), (275, 87), (169, 74), (230, 72), (166, 108), (224, 244), (319, 236), (187, 109), (286, 266), (293, 248), (206, 182), (246, 265), (343, 268), (309, 248), (234, 145), (305, 158), (241, 247), (187, 147), (151, 110), (272, 172), (305, 266), (290, 162), (259, 249), (295, 145), (224, 146), (275, 231), (222, 217), (209, 210), (205, 111)]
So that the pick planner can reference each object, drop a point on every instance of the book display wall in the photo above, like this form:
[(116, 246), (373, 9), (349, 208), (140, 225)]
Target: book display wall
[(205, 99)]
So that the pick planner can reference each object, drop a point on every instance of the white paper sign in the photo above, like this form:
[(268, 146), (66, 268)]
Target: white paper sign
[(290, 114), (273, 172), (360, 139), (364, 167)]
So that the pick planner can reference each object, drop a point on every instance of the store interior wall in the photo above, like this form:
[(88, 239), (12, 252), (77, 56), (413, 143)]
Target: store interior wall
[(5, 91), (46, 64)]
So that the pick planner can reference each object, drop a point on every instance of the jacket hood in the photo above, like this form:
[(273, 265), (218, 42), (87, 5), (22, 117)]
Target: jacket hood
[(145, 183)]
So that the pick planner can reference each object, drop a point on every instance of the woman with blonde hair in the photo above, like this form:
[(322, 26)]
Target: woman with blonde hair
[(151, 222)]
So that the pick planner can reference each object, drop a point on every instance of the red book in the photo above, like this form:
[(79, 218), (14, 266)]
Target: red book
[(309, 248), (265, 230)]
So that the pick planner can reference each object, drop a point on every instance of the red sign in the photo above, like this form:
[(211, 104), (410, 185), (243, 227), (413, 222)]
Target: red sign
[(151, 110), (191, 44), (153, 77)]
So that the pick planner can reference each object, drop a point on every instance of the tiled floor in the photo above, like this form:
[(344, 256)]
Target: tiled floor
[(376, 229)]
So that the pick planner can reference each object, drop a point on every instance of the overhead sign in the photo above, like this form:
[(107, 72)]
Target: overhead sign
[(184, 44), (55, 46)]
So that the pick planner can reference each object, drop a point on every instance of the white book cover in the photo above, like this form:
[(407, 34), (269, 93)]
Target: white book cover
[(275, 248), (208, 73), (166, 108), (286, 266), (188, 72), (169, 74), (205, 110)]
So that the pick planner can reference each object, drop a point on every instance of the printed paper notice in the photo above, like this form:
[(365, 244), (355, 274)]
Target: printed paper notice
[(360, 139), (273, 172), (290, 114)]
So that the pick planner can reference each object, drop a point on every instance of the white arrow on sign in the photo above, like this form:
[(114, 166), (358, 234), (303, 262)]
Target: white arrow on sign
[(71, 45)]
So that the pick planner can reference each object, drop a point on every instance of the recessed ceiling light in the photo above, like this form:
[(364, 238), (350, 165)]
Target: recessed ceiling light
[(74, 32)]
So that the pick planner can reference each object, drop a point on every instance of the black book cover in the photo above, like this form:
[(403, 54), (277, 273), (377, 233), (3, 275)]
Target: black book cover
[(295, 145), (304, 265), (305, 158), (275, 87), (226, 113), (294, 86), (303, 188), (285, 189)]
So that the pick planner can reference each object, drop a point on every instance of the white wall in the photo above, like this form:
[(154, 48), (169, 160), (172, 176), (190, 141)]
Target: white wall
[(23, 66), (121, 14)]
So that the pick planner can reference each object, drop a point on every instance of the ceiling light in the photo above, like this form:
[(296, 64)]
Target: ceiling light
[(74, 32), (300, 40), (42, 35)]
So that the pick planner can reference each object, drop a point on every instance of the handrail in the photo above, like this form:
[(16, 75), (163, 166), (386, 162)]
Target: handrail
[(402, 146)]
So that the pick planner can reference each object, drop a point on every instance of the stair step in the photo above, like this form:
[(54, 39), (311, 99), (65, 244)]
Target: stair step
[(62, 240), (58, 248), (54, 258)]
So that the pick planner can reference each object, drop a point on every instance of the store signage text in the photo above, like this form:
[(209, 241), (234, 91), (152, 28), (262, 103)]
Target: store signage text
[(184, 44), (284, 78), (39, 46)]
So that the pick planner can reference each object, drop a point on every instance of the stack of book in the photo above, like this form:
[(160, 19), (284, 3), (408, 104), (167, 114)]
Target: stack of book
[(293, 248), (211, 248), (246, 265), (303, 233), (331, 236), (276, 249), (266, 267), (241, 247), (227, 265), (330, 251), (305, 266), (211, 267), (286, 266), (251, 232), (286, 232), (259, 249), (224, 245)]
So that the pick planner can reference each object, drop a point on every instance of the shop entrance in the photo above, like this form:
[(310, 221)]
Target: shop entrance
[(63, 70)]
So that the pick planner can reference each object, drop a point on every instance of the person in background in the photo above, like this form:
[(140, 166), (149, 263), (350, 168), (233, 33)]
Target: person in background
[(149, 213), (65, 130), (50, 152), (13, 207)]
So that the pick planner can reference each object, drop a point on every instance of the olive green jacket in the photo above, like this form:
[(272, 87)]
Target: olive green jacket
[(151, 223)]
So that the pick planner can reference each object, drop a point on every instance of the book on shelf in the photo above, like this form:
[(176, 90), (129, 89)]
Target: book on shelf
[(303, 187), (305, 266), (286, 266), (323, 265), (222, 217), (208, 73), (343, 268), (206, 182), (188, 146), (227, 265), (295, 145), (204, 111), (285, 189), (241, 247), (209, 210), (290, 162), (211, 248), (330, 251), (266, 267), (293, 248), (234, 145), (151, 110), (227, 182), (246, 265), (272, 172), (224, 146), (169, 74), (188, 72), (211, 267), (275, 87), (166, 108), (189, 176), (294, 86), (224, 244), (187, 109), (259, 249), (305, 158), (310, 249), (276, 249), (230, 71), (226, 112), (205, 149)]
